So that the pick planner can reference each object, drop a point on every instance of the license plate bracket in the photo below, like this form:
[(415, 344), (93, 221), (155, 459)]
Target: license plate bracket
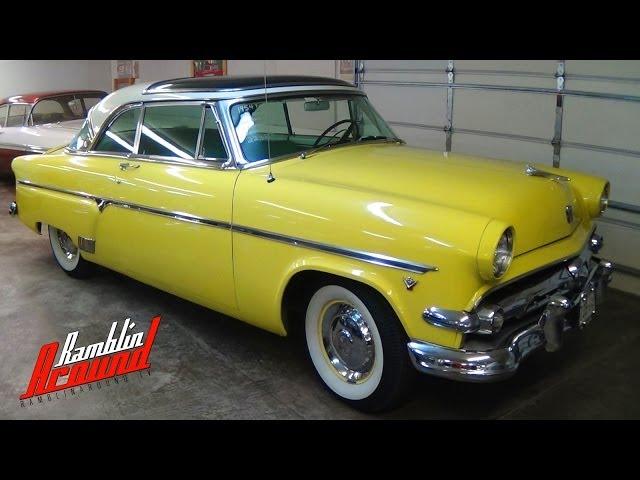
[(587, 307)]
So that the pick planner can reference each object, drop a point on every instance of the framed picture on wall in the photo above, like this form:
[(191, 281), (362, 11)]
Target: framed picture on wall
[(208, 68), (118, 83)]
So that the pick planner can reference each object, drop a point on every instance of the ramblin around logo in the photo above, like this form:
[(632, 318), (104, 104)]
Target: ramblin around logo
[(118, 355)]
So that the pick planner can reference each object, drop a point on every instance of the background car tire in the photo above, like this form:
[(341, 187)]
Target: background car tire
[(340, 354), (67, 255)]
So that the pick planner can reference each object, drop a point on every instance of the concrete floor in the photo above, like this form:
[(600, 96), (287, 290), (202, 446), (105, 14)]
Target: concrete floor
[(208, 366)]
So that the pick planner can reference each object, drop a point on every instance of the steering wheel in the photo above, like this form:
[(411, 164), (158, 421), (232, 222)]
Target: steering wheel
[(331, 127)]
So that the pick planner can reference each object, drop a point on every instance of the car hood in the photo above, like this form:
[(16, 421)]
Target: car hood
[(496, 189)]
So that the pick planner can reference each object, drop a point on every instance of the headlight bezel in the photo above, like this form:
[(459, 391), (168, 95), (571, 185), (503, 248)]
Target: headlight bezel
[(503, 253), (488, 250)]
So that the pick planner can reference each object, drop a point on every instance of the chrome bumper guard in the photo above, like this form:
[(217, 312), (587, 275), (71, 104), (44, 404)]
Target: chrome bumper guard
[(546, 330)]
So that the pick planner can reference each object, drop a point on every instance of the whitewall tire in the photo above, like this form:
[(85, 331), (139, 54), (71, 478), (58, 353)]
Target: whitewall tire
[(67, 254), (357, 346)]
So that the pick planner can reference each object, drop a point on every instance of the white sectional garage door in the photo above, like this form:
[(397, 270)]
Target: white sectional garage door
[(581, 115)]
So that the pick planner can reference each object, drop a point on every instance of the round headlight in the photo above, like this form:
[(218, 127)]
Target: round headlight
[(604, 198), (503, 254)]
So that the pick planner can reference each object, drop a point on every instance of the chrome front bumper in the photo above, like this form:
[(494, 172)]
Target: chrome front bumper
[(545, 330)]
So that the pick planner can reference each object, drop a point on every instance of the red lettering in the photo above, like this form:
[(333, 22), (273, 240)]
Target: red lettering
[(41, 370), (44, 380)]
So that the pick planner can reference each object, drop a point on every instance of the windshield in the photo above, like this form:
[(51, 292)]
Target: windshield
[(293, 125)]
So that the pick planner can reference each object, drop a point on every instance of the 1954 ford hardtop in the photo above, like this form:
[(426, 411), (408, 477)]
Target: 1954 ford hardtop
[(294, 203)]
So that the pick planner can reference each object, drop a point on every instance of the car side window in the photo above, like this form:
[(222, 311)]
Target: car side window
[(3, 114), (48, 111), (120, 137), (212, 144), (17, 115), (170, 130)]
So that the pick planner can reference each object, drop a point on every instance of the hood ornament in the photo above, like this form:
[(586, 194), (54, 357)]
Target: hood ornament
[(534, 172)]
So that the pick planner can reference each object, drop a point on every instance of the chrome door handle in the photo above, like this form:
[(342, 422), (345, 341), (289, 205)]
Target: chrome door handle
[(128, 166)]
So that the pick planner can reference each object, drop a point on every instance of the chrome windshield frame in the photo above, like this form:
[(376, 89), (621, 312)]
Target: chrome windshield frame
[(241, 163)]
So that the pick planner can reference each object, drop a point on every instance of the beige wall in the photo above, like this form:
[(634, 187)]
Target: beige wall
[(24, 76)]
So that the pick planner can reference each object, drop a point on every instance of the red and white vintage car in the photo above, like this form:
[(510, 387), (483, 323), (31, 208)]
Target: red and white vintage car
[(36, 122)]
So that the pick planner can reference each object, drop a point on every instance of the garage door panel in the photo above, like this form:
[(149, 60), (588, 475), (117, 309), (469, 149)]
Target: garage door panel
[(405, 64), (420, 137), (504, 112), (617, 88), (617, 239), (601, 122), (505, 80), (622, 171), (406, 77), (414, 105), (502, 148), (531, 66), (609, 68)]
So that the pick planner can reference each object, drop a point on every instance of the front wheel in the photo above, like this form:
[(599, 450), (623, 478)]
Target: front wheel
[(358, 347), (67, 254)]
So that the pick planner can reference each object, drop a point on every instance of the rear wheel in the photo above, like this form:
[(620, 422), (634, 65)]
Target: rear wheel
[(358, 347), (67, 254)]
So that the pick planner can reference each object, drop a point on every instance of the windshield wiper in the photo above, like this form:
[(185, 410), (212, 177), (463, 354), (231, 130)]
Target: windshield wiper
[(306, 154)]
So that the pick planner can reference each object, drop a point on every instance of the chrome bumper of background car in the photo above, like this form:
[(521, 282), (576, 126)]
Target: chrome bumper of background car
[(545, 330)]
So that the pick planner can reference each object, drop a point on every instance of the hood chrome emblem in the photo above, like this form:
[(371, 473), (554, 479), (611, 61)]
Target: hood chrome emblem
[(410, 283), (534, 172), (568, 211)]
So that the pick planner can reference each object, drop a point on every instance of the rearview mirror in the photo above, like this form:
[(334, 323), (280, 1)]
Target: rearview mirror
[(316, 105)]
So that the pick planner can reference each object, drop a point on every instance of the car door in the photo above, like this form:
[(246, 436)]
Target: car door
[(168, 224)]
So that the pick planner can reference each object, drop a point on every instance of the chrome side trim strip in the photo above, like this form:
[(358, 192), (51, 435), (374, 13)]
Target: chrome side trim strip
[(369, 257), (29, 183), (374, 258)]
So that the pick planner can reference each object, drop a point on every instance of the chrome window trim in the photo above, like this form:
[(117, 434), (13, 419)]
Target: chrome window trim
[(29, 121), (223, 163), (107, 124), (136, 141), (234, 93), (203, 112), (226, 105), (369, 257), (212, 164)]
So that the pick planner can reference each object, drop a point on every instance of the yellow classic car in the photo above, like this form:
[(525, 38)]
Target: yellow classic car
[(290, 202)]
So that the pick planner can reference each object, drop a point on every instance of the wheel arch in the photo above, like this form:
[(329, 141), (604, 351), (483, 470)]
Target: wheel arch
[(302, 283)]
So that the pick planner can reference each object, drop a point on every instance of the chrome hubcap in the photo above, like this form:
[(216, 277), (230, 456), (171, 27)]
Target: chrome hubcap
[(68, 248), (348, 342)]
